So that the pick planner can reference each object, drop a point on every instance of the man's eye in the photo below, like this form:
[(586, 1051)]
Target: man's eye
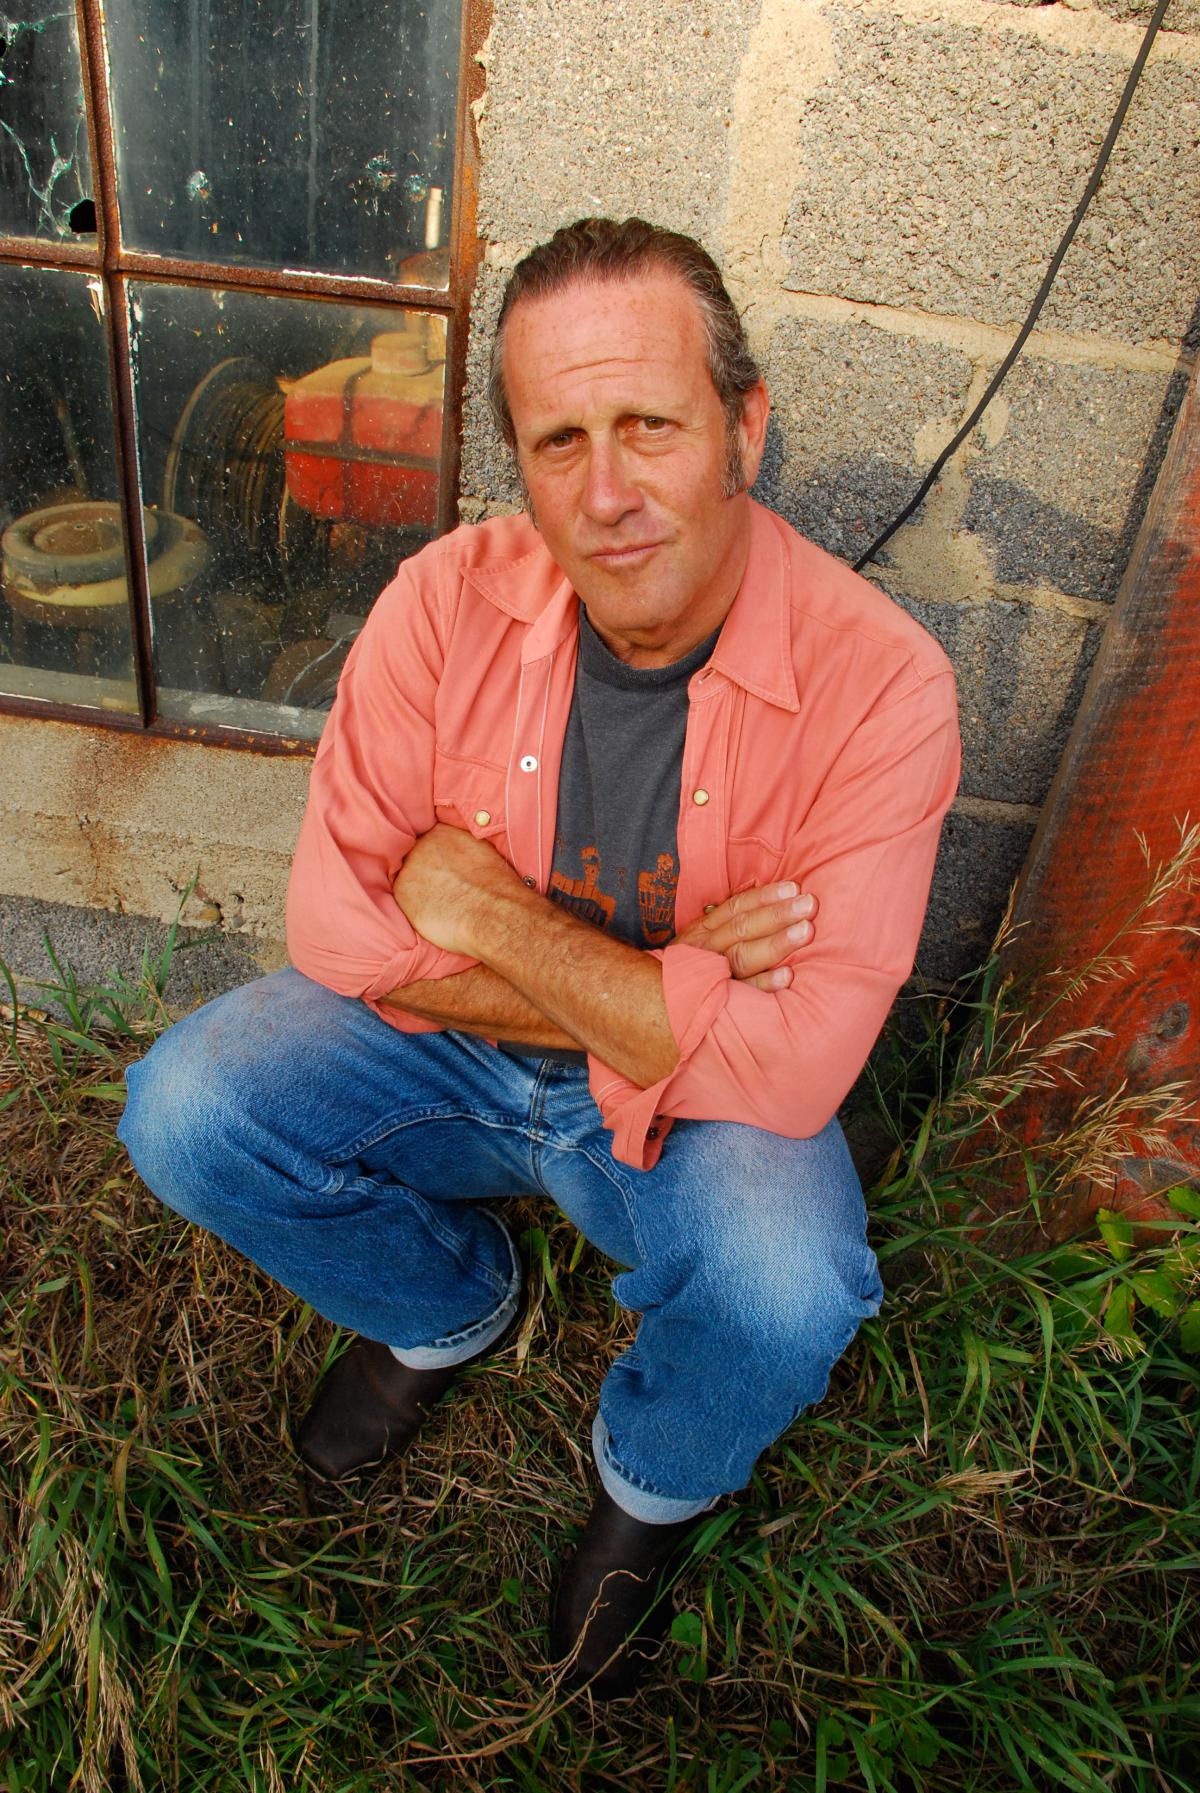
[(654, 423)]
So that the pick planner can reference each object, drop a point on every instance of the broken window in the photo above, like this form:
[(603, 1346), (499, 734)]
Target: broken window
[(286, 135), (272, 317), (45, 171)]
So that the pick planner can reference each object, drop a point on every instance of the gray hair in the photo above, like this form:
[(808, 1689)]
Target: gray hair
[(600, 249)]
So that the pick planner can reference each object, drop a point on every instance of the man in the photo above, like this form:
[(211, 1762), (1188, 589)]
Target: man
[(616, 853)]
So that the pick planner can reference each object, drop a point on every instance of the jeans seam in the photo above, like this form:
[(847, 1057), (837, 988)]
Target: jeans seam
[(607, 1171), (511, 1287), (447, 1111), (454, 1245), (467, 1335)]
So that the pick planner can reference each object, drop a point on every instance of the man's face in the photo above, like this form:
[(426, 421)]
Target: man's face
[(623, 445)]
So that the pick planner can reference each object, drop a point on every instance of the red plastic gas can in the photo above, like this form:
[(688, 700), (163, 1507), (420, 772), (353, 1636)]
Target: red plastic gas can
[(362, 437)]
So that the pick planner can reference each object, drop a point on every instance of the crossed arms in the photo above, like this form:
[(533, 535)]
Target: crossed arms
[(428, 923), (545, 978)]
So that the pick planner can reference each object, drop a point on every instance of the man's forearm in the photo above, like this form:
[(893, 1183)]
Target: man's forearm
[(462, 896), (481, 1002), (543, 968), (601, 993)]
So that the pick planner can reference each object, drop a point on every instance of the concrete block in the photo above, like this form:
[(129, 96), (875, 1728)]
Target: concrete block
[(854, 410), (1182, 15), (977, 864), (943, 160), (615, 109), (1021, 671), (123, 822), (1058, 494)]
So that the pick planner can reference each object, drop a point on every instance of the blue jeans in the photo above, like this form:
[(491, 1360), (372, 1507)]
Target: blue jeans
[(352, 1163)]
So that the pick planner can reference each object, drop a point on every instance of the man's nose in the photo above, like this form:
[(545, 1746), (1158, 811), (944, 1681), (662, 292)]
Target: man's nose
[(610, 490)]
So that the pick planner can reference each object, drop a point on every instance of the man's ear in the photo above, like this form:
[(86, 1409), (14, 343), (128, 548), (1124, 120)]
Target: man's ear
[(752, 431)]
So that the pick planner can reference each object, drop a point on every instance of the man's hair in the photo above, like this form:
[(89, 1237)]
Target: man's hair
[(600, 249)]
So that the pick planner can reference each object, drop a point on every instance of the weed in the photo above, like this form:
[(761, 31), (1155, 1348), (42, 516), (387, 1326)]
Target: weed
[(971, 1567)]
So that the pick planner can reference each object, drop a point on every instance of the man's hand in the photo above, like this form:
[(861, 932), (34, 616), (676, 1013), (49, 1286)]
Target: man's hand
[(756, 930)]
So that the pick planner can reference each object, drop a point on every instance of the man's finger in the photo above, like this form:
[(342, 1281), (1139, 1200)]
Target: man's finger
[(778, 979), (747, 959), (746, 902), (759, 923), (752, 928)]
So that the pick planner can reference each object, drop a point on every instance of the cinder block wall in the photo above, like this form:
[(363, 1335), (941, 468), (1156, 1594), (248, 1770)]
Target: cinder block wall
[(884, 182)]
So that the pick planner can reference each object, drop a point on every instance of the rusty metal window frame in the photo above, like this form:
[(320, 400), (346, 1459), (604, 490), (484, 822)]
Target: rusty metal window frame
[(115, 265)]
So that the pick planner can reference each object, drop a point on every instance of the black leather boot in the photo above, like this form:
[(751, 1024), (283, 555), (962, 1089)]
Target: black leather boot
[(370, 1406), (611, 1599)]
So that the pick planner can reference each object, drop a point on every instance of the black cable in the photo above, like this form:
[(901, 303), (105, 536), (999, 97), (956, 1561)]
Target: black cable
[(1043, 292)]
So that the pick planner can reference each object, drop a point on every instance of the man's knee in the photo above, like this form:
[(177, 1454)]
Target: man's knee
[(183, 1110), (797, 1311)]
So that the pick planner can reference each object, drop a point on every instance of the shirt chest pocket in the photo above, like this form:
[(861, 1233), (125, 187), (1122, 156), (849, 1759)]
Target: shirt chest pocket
[(471, 797), (753, 863)]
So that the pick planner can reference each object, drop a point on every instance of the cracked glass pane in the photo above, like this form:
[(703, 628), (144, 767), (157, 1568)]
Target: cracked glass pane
[(64, 618), (45, 175), (297, 135), (300, 442)]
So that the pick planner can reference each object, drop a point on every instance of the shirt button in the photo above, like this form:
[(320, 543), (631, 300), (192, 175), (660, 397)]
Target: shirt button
[(530, 883), (651, 1132), (482, 817), (709, 907), (700, 797), (528, 762)]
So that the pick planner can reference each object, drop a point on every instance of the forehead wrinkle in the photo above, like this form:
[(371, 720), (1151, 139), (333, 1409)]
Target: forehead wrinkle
[(645, 352), (602, 391), (601, 362)]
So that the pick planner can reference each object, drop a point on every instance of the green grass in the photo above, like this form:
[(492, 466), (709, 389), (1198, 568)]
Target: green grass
[(972, 1567)]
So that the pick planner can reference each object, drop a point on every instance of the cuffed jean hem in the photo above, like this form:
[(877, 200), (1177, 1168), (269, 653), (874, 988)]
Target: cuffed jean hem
[(639, 1503), (461, 1347)]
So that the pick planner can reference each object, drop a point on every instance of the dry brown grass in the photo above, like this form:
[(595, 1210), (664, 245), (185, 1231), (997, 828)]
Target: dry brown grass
[(967, 1570)]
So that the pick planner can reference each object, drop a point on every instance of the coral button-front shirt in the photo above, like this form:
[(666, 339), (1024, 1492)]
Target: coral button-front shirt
[(822, 745)]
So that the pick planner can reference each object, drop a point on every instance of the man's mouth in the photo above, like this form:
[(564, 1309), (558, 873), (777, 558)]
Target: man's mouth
[(628, 555)]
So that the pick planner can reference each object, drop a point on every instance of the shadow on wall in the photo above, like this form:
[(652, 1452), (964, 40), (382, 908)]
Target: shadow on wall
[(977, 864), (1031, 542), (1022, 669), (844, 504)]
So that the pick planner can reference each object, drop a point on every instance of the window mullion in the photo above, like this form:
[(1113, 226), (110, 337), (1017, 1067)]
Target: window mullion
[(116, 321)]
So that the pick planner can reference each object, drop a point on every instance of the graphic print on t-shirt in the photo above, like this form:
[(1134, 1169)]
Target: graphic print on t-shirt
[(583, 896), (656, 900), (616, 852), (655, 895)]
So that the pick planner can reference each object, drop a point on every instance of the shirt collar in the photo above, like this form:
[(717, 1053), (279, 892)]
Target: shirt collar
[(533, 589), (755, 645), (754, 648)]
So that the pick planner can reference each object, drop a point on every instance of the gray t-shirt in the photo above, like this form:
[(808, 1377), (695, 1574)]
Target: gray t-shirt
[(615, 850), (615, 846)]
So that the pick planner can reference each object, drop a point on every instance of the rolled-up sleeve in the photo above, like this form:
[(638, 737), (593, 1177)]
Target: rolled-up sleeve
[(785, 1060), (370, 797)]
